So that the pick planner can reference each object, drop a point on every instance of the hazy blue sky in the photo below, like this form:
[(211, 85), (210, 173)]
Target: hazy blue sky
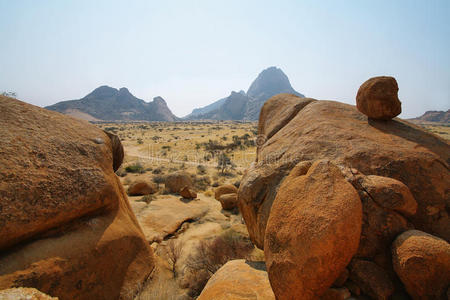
[(194, 52)]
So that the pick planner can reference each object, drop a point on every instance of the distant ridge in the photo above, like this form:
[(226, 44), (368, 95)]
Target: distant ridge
[(246, 105), (109, 104), (434, 116)]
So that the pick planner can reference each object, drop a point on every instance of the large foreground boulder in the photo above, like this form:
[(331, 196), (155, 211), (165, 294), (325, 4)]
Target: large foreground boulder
[(422, 262), (339, 132), (238, 279), (399, 171), (66, 227), (313, 231)]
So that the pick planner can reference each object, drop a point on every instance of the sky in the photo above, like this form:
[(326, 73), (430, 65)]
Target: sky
[(192, 53)]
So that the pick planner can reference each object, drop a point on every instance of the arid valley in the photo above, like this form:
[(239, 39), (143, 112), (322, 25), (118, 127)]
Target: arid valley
[(225, 150)]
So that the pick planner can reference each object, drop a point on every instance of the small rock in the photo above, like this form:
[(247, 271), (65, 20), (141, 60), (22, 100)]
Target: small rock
[(178, 180), (187, 193), (224, 189), (339, 282), (141, 188), (336, 294), (21, 293), (377, 98), (228, 201), (371, 278)]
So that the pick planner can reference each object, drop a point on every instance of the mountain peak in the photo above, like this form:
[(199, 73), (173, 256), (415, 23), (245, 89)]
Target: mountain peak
[(246, 106), (160, 100), (269, 83), (103, 91)]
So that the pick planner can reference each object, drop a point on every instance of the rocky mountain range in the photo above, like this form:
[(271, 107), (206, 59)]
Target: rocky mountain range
[(434, 116), (246, 105), (109, 104)]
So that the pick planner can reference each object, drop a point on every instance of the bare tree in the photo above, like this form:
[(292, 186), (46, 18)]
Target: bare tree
[(174, 249)]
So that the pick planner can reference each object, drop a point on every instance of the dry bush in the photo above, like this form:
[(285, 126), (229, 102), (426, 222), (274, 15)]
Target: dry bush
[(173, 250), (213, 254), (147, 198), (209, 193), (201, 183), (159, 289)]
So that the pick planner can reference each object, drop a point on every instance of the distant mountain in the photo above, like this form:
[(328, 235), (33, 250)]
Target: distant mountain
[(434, 116), (246, 106), (109, 104)]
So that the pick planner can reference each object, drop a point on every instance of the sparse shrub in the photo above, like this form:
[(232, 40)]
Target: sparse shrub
[(159, 179), (135, 168), (201, 169), (121, 172), (213, 254), (140, 141), (147, 198), (157, 171), (215, 184), (208, 193), (201, 183)]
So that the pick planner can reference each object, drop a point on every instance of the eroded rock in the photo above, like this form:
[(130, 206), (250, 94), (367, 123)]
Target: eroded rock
[(64, 216)]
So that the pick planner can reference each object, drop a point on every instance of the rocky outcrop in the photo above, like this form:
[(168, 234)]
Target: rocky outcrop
[(399, 171), (238, 279), (422, 262), (228, 201), (64, 216), (24, 294), (377, 98), (176, 181), (338, 132), (224, 189), (141, 188), (313, 231)]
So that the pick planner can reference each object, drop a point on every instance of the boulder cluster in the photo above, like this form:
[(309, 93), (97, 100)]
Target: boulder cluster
[(348, 202), (66, 227)]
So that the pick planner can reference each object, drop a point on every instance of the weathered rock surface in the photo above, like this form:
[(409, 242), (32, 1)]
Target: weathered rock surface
[(187, 193), (228, 201), (176, 181), (313, 231), (422, 262), (377, 98), (372, 279), (339, 132), (141, 188), (390, 194), (64, 216), (225, 189), (336, 294), (239, 280), (166, 215), (21, 293)]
